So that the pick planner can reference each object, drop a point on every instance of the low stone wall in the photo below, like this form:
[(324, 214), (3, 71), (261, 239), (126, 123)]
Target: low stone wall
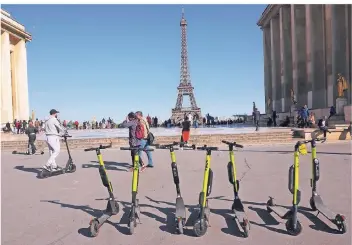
[(211, 139), (336, 134)]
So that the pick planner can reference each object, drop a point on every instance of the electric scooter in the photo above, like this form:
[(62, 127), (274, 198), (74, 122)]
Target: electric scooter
[(237, 206), (293, 226), (69, 168), (135, 210), (202, 222), (180, 214), (112, 207), (316, 202)]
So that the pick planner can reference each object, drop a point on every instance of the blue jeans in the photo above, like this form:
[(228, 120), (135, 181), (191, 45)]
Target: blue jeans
[(144, 144)]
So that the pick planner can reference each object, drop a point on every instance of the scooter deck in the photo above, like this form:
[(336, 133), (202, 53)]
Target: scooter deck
[(238, 210), (180, 208), (283, 213), (322, 208), (102, 219)]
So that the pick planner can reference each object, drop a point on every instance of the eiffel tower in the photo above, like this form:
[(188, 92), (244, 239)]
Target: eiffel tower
[(185, 87)]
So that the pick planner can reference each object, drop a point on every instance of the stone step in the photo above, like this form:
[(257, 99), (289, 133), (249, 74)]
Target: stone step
[(215, 139)]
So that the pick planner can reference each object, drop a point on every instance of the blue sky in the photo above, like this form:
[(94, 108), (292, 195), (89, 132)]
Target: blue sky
[(108, 60)]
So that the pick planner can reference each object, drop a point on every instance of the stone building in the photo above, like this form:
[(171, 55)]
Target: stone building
[(305, 48), (14, 81)]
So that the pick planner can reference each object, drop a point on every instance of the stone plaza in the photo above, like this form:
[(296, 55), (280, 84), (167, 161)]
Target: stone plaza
[(58, 210), (305, 48)]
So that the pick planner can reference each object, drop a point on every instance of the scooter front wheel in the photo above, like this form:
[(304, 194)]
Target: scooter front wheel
[(73, 168), (131, 225), (291, 230), (94, 227), (180, 226), (200, 227)]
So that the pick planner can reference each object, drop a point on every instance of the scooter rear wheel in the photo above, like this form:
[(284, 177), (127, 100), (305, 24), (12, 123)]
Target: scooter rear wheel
[(269, 203), (290, 230), (43, 174), (246, 227), (200, 227), (94, 227)]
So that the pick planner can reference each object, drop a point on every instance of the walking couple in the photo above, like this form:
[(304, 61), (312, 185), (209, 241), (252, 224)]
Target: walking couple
[(139, 136)]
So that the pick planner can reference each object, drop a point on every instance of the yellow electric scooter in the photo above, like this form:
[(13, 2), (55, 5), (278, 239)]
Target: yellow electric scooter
[(316, 202), (201, 224), (135, 210), (237, 206), (293, 226), (112, 207), (180, 214)]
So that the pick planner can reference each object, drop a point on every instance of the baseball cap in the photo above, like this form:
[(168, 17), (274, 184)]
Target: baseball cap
[(53, 111)]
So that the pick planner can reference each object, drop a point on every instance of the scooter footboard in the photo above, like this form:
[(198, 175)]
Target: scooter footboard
[(103, 176), (210, 182), (291, 176)]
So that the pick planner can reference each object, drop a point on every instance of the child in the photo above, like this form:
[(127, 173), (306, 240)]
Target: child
[(186, 127)]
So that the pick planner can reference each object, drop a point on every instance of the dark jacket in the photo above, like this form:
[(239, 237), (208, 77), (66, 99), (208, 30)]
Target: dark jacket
[(31, 131), (131, 125)]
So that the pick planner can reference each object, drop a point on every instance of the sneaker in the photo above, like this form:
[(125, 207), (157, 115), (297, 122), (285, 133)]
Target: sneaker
[(150, 166), (47, 168)]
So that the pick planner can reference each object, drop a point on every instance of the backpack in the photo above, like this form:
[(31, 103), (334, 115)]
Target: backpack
[(139, 131), (320, 123)]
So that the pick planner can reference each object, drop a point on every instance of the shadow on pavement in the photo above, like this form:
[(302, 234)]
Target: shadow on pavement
[(96, 213), (110, 165), (169, 224), (269, 220), (29, 170), (232, 225)]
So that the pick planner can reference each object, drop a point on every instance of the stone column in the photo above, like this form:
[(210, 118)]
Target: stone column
[(267, 67), (338, 22), (275, 63), (317, 72), (309, 63), (298, 25), (21, 80), (6, 88), (328, 55), (286, 57), (348, 48)]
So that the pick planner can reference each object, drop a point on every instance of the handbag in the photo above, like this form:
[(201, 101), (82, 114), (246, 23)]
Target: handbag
[(150, 138)]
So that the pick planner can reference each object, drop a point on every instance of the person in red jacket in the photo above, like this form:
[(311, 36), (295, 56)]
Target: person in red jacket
[(149, 120)]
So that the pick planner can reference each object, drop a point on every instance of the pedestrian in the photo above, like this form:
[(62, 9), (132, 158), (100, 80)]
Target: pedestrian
[(31, 132), (131, 123), (145, 142), (322, 126), (186, 128), (332, 112), (256, 119), (53, 130), (274, 118)]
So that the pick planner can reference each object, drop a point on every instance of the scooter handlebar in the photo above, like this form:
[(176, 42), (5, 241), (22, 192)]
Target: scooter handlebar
[(101, 147), (232, 143), (206, 148), (135, 148)]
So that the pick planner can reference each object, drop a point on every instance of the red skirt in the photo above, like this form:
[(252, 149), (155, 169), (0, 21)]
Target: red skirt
[(185, 136)]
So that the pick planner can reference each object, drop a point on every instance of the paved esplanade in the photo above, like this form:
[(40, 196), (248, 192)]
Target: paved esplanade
[(58, 210)]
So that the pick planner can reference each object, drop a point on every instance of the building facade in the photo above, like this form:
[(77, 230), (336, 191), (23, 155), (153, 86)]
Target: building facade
[(305, 48), (14, 80)]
